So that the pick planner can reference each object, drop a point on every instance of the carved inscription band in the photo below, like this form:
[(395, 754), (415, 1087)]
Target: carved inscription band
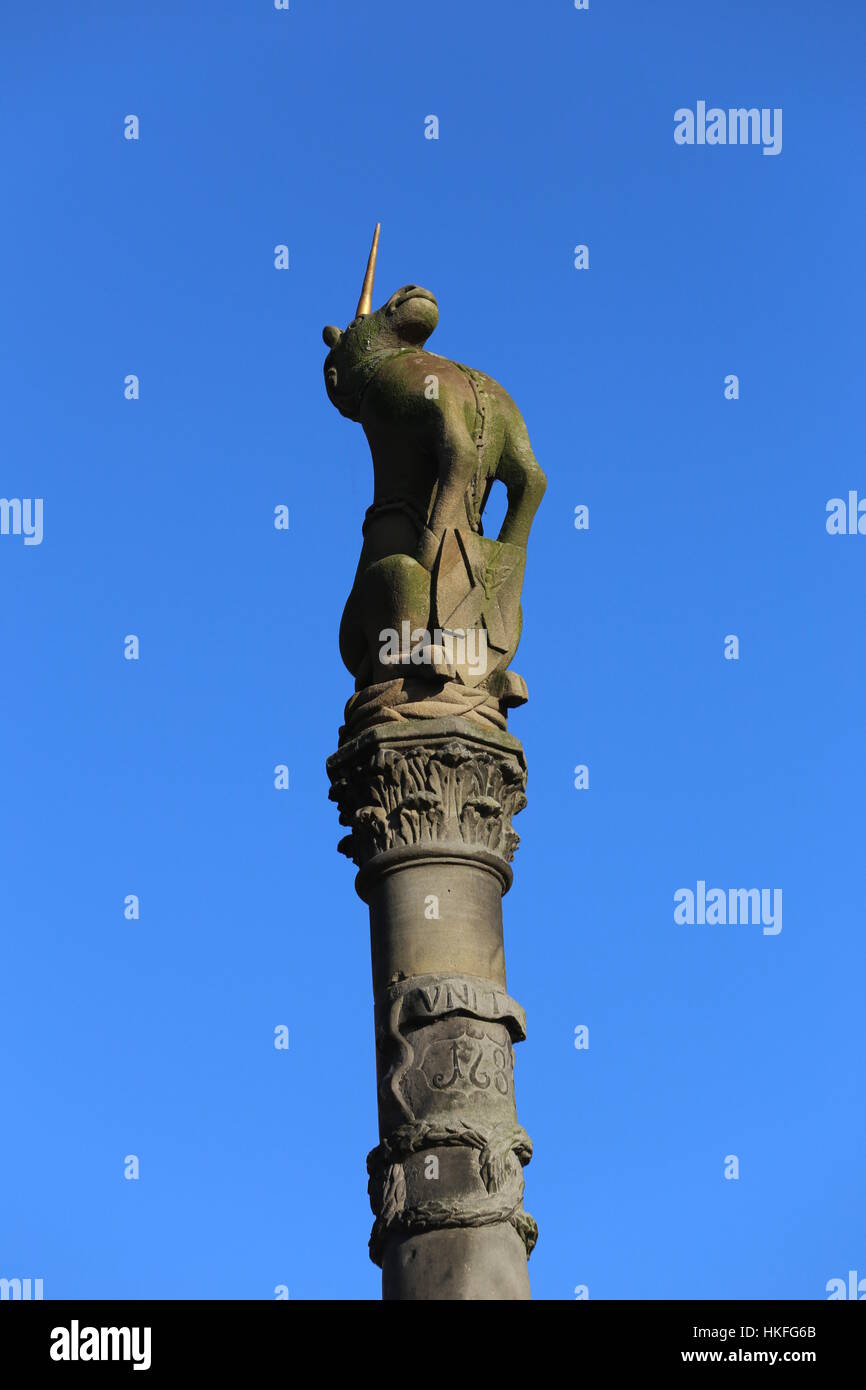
[(445, 1044)]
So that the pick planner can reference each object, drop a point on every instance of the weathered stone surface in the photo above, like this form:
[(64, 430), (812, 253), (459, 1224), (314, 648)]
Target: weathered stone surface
[(428, 781), (442, 1039), (441, 434), (438, 783), (446, 1091), (467, 1263), (430, 808)]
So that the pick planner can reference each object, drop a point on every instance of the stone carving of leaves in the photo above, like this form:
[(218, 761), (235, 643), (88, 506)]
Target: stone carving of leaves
[(443, 792)]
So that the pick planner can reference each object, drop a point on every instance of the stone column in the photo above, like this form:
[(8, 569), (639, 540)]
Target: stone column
[(429, 805)]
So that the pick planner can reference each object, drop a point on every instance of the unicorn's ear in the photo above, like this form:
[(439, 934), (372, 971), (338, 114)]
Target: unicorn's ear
[(331, 335)]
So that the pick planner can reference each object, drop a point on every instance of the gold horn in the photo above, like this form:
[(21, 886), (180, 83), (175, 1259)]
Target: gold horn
[(365, 303)]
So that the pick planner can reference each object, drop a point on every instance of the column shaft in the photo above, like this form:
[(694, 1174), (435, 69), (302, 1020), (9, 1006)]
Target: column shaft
[(430, 806)]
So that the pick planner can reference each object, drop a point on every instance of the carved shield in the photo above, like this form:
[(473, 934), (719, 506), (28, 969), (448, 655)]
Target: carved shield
[(476, 591)]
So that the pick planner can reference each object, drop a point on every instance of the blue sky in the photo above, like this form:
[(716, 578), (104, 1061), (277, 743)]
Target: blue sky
[(707, 518)]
